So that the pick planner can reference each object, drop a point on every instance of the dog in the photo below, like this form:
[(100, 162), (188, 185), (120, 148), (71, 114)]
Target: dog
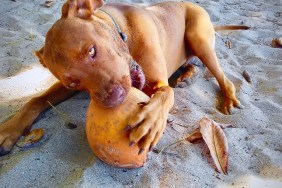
[(106, 49)]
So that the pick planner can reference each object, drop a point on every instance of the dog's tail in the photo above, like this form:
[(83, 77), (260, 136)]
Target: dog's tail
[(231, 27)]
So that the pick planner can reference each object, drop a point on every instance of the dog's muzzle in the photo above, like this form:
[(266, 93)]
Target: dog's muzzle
[(112, 97)]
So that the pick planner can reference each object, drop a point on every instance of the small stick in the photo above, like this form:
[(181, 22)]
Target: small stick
[(66, 117)]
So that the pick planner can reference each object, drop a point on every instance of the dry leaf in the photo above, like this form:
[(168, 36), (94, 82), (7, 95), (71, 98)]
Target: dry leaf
[(48, 3), (247, 77), (217, 143), (228, 44), (276, 43), (169, 120), (32, 137), (196, 135)]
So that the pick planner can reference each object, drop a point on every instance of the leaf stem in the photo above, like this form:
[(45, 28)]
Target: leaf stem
[(65, 116), (179, 140)]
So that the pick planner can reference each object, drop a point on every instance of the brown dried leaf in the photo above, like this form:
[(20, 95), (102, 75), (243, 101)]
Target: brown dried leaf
[(247, 77), (276, 43), (217, 143), (196, 135), (228, 44), (48, 3), (170, 120), (32, 137)]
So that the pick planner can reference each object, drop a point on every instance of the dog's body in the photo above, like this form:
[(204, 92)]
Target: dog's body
[(85, 52)]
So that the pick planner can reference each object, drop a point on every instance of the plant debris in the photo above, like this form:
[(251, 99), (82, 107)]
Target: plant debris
[(32, 137), (228, 44), (48, 3), (216, 142), (169, 120), (64, 116), (276, 43), (247, 77), (215, 139), (196, 135), (71, 125)]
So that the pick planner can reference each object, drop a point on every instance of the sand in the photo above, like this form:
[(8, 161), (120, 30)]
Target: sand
[(63, 158)]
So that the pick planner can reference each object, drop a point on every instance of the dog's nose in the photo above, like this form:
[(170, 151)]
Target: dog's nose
[(114, 97)]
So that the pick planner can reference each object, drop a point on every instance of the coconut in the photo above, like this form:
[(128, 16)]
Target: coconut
[(106, 134)]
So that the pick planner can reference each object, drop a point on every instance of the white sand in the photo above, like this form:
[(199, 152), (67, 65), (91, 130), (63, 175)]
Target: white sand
[(63, 157)]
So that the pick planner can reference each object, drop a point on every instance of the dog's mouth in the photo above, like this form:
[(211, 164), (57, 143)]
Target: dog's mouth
[(137, 76), (116, 93), (112, 97)]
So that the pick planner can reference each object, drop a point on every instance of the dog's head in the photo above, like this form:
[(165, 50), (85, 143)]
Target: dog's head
[(85, 53)]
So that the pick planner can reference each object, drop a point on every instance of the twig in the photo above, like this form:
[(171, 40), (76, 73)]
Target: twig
[(66, 117), (177, 141)]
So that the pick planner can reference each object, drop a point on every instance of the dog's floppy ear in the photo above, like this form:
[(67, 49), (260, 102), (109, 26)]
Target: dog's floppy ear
[(81, 8), (39, 55)]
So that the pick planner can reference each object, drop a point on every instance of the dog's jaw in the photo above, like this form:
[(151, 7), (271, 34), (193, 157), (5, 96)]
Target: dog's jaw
[(137, 75)]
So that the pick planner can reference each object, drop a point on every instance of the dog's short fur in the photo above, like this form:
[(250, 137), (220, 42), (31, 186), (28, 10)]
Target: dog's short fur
[(84, 51)]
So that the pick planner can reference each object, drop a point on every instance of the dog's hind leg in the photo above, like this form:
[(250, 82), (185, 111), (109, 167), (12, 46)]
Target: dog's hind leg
[(200, 39)]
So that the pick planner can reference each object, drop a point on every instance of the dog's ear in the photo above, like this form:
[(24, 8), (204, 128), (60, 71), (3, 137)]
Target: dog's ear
[(39, 55), (81, 8)]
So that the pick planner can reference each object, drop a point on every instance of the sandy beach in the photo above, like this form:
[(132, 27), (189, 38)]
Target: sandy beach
[(64, 159)]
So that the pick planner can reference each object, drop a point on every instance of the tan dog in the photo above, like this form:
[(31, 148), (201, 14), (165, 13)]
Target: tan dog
[(85, 51)]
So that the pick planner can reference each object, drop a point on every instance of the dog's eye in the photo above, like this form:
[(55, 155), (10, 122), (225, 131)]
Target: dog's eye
[(72, 85), (92, 52)]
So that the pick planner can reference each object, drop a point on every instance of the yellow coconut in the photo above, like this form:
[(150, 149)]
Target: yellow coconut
[(106, 135)]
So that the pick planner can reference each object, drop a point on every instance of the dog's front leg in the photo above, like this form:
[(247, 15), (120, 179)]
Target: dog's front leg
[(148, 125), (11, 130)]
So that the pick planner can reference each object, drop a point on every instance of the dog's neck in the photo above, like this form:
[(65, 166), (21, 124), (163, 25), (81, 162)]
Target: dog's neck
[(122, 35)]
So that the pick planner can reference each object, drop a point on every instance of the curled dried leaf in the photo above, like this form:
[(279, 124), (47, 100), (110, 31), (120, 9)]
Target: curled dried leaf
[(196, 135), (247, 77), (48, 3), (169, 120), (276, 43), (32, 137), (228, 44), (216, 142)]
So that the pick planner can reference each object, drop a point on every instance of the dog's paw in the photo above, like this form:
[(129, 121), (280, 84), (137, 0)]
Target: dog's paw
[(149, 131), (9, 134), (229, 104), (148, 125), (185, 83)]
